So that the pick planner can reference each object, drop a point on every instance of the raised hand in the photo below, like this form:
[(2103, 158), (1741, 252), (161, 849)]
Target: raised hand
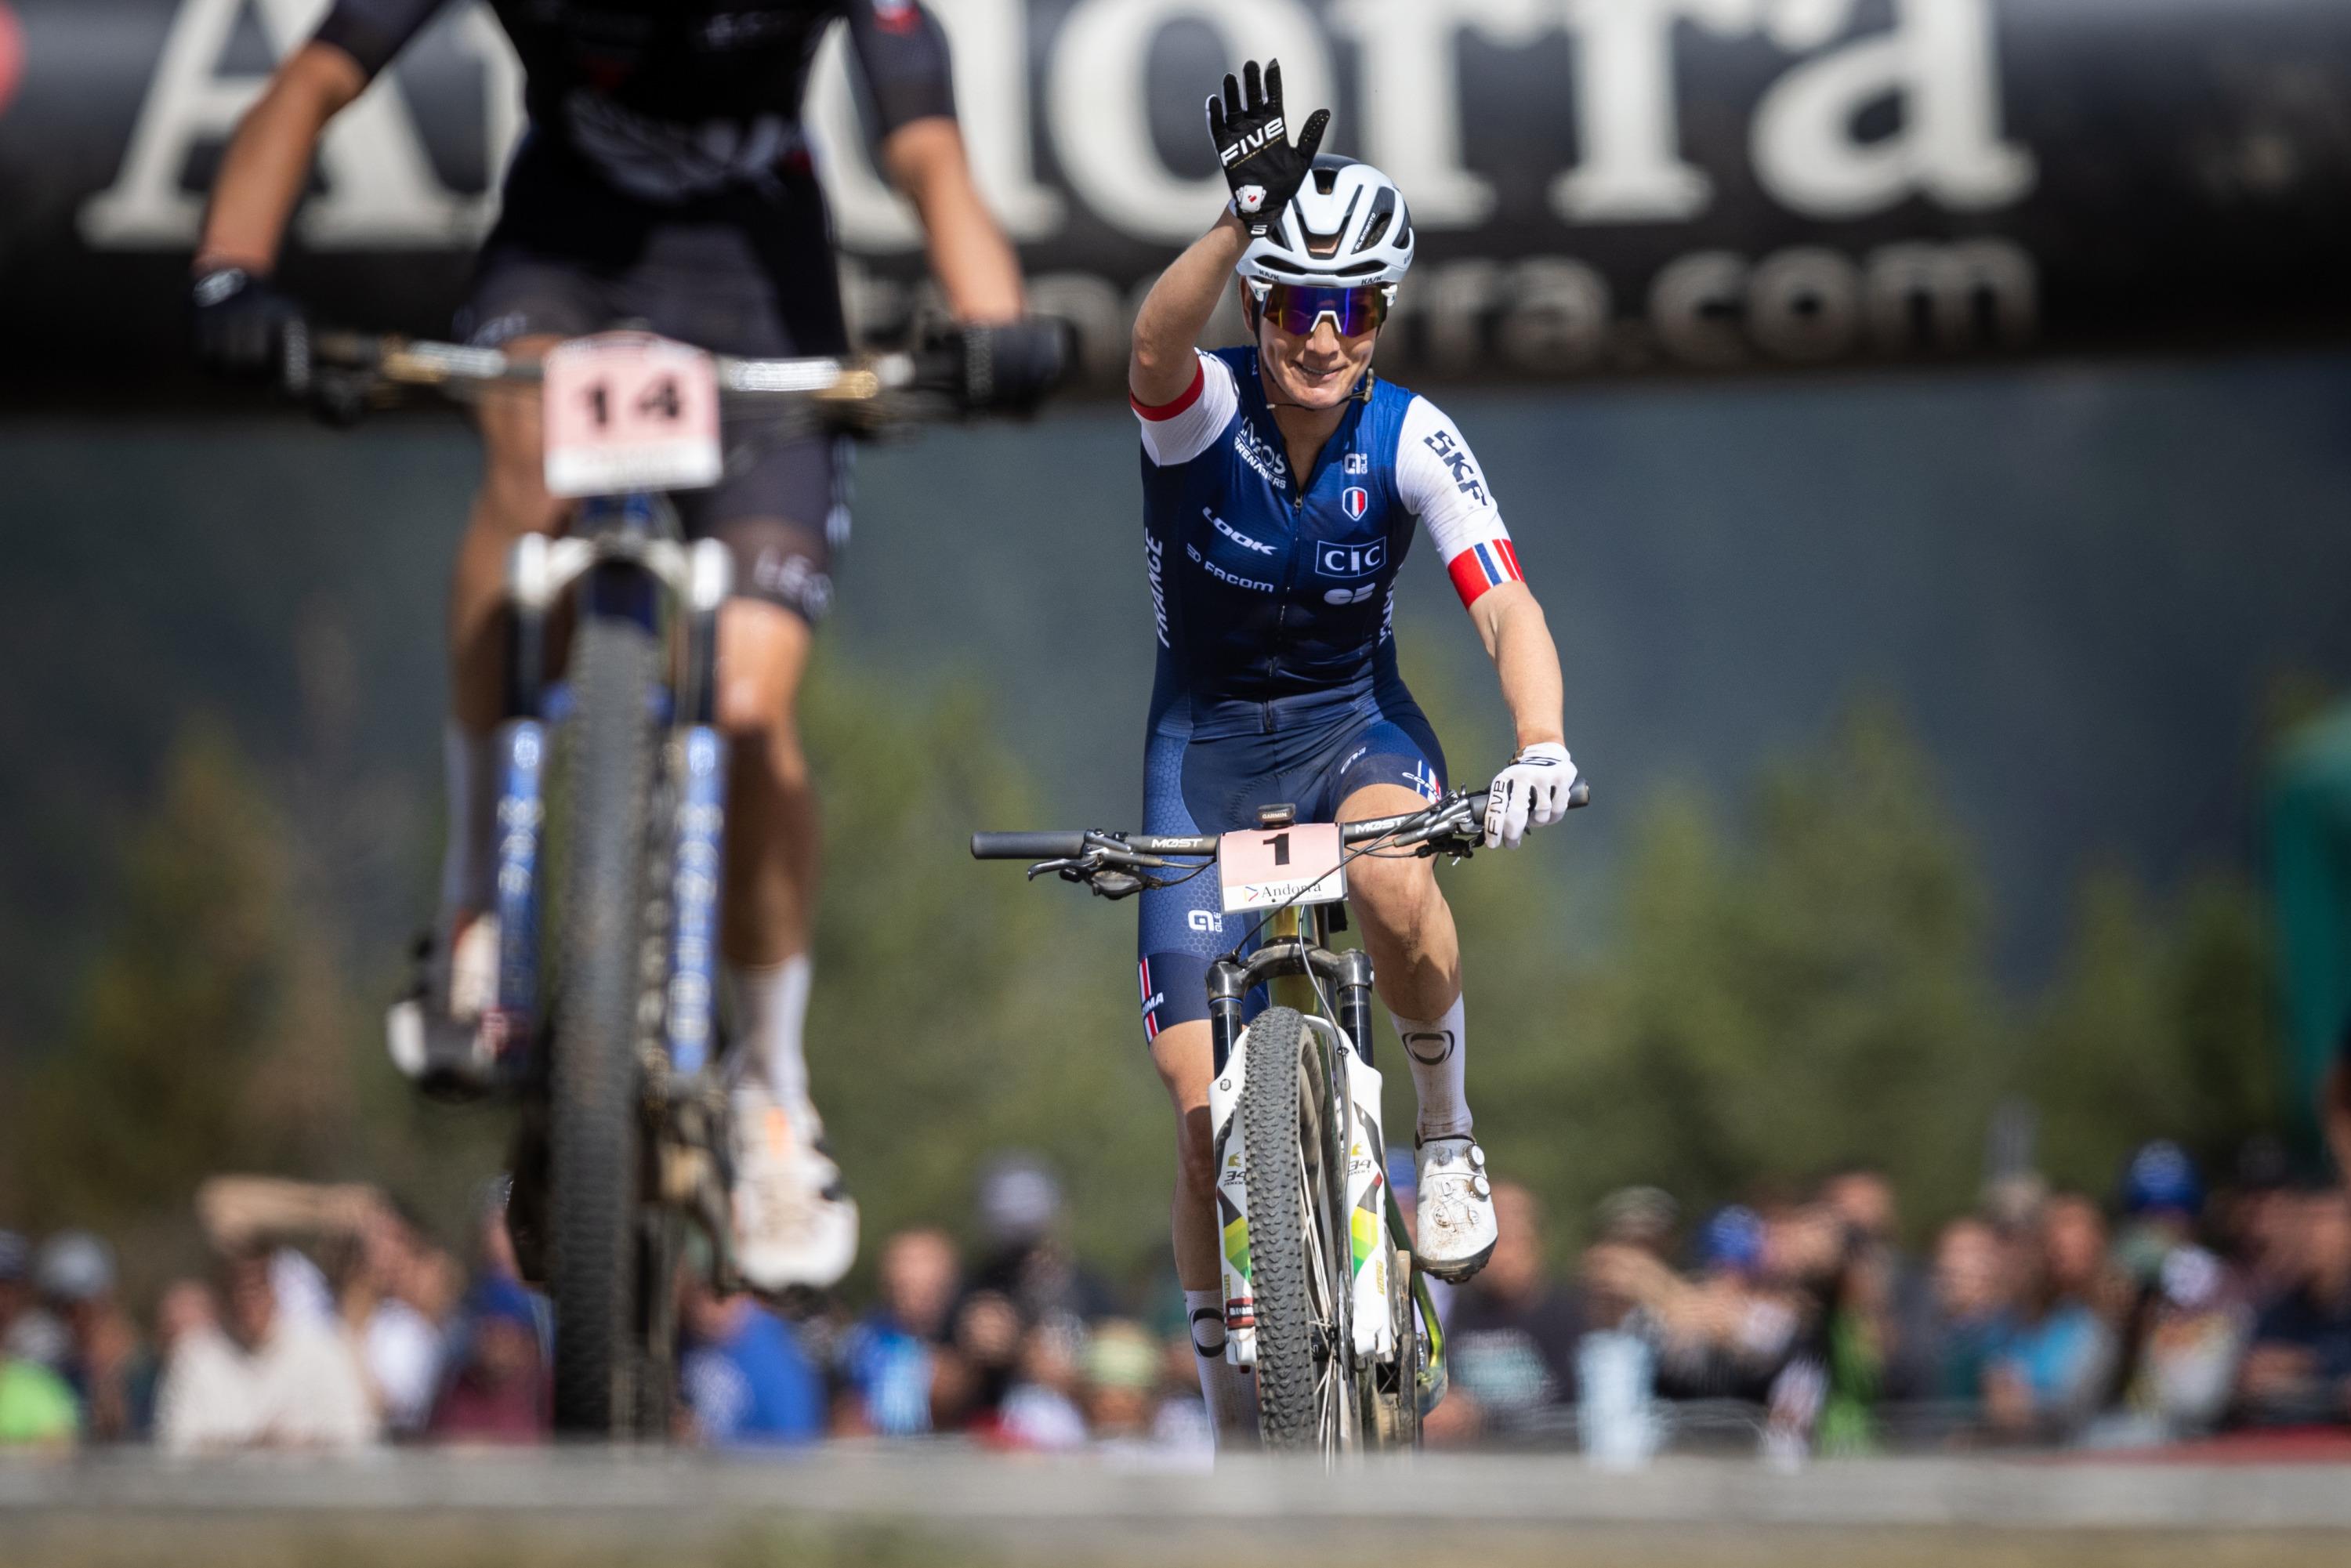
[(1253, 145)]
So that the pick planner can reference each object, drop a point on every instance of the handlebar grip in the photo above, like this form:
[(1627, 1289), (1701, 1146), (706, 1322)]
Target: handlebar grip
[(1027, 846), (1579, 793)]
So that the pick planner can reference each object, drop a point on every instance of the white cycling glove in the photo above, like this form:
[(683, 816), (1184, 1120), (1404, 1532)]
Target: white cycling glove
[(1532, 791)]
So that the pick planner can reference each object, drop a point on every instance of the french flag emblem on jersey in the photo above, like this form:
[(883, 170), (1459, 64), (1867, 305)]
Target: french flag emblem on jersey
[(1357, 500), (1487, 564)]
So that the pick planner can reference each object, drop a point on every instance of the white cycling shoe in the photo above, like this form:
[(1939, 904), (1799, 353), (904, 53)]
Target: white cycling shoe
[(1455, 1215), (794, 1223), (435, 1032)]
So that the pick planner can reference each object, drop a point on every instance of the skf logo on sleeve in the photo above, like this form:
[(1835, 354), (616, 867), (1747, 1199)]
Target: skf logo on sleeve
[(1466, 477), (1357, 501)]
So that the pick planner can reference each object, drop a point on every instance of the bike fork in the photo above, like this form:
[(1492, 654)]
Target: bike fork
[(696, 864)]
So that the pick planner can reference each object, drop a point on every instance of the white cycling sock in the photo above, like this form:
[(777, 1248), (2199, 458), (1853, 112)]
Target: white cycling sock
[(470, 868), (1435, 1050), (770, 1004), (1230, 1392)]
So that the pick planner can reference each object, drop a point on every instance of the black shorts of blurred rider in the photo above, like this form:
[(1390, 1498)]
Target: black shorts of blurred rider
[(745, 271)]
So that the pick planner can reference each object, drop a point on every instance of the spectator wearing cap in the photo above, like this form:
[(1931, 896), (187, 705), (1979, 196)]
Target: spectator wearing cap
[(37, 1407), (108, 1366), (746, 1381), (265, 1378), (1026, 1259), (2162, 1197), (500, 1392), (2299, 1368), (1120, 1379), (28, 1331)]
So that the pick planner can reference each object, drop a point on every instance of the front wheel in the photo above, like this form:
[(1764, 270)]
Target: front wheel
[(596, 1244), (1299, 1253)]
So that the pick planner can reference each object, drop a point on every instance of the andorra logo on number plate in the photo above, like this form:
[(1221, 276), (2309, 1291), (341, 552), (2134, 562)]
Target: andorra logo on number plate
[(1262, 868)]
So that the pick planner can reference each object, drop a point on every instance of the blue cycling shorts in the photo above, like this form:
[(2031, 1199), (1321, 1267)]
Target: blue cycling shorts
[(1192, 786)]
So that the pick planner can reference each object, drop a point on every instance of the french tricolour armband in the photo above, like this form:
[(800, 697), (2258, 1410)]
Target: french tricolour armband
[(1489, 563)]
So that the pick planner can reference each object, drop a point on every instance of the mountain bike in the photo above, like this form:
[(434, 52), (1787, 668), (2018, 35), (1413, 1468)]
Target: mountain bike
[(1321, 1294), (605, 1030)]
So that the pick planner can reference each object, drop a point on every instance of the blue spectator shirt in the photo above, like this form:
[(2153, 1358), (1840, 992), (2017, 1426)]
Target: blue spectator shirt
[(757, 1387)]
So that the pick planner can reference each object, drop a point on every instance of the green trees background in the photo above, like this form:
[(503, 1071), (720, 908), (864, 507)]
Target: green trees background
[(1759, 988)]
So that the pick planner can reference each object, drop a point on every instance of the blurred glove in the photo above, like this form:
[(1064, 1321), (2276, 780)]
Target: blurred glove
[(1008, 367), (1530, 792), (1253, 146), (249, 331)]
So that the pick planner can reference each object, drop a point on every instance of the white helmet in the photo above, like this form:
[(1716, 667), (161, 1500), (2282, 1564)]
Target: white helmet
[(1346, 228)]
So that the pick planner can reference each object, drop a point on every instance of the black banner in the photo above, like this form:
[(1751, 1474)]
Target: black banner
[(1603, 186)]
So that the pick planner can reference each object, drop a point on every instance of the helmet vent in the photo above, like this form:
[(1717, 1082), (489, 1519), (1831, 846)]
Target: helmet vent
[(1326, 180)]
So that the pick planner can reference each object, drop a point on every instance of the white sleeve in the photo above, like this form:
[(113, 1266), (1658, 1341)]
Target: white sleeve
[(1179, 431), (1441, 483)]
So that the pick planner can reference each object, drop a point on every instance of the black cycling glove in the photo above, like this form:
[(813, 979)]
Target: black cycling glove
[(1008, 367), (249, 329), (1253, 146)]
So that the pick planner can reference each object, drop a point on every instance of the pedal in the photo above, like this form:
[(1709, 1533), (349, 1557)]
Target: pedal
[(446, 1061)]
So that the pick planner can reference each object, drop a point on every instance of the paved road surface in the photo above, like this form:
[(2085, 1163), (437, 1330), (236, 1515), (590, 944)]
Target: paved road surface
[(848, 1506)]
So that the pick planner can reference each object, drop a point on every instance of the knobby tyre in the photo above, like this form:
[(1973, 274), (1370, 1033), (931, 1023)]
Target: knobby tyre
[(594, 1121), (1298, 1247)]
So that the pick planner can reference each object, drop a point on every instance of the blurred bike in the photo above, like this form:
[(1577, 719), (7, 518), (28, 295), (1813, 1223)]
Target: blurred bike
[(612, 816), (1321, 1294)]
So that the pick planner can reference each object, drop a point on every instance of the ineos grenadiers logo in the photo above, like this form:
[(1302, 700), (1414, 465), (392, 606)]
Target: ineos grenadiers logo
[(1259, 454)]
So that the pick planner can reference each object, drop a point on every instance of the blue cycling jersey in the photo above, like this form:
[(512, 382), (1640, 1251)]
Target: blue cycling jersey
[(1277, 660), (1271, 589)]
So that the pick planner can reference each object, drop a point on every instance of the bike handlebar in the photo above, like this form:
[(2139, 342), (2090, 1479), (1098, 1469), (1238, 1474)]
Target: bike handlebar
[(1468, 807), (406, 362)]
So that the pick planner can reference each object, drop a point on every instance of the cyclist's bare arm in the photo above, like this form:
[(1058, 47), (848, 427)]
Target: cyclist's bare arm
[(974, 262), (1518, 638), (269, 160), (1159, 369)]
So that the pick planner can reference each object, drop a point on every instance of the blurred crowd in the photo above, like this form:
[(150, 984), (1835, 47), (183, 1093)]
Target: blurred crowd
[(1796, 1323)]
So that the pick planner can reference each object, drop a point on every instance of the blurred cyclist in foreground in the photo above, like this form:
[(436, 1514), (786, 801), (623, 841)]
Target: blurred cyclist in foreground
[(665, 181), (1281, 483)]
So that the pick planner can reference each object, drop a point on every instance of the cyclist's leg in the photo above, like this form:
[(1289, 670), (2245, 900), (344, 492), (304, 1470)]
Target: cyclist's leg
[(1393, 767), (523, 304), (1181, 931), (794, 1223), (1390, 766)]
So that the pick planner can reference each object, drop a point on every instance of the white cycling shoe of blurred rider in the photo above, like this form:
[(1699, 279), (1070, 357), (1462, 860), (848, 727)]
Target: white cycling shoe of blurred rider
[(795, 1224)]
